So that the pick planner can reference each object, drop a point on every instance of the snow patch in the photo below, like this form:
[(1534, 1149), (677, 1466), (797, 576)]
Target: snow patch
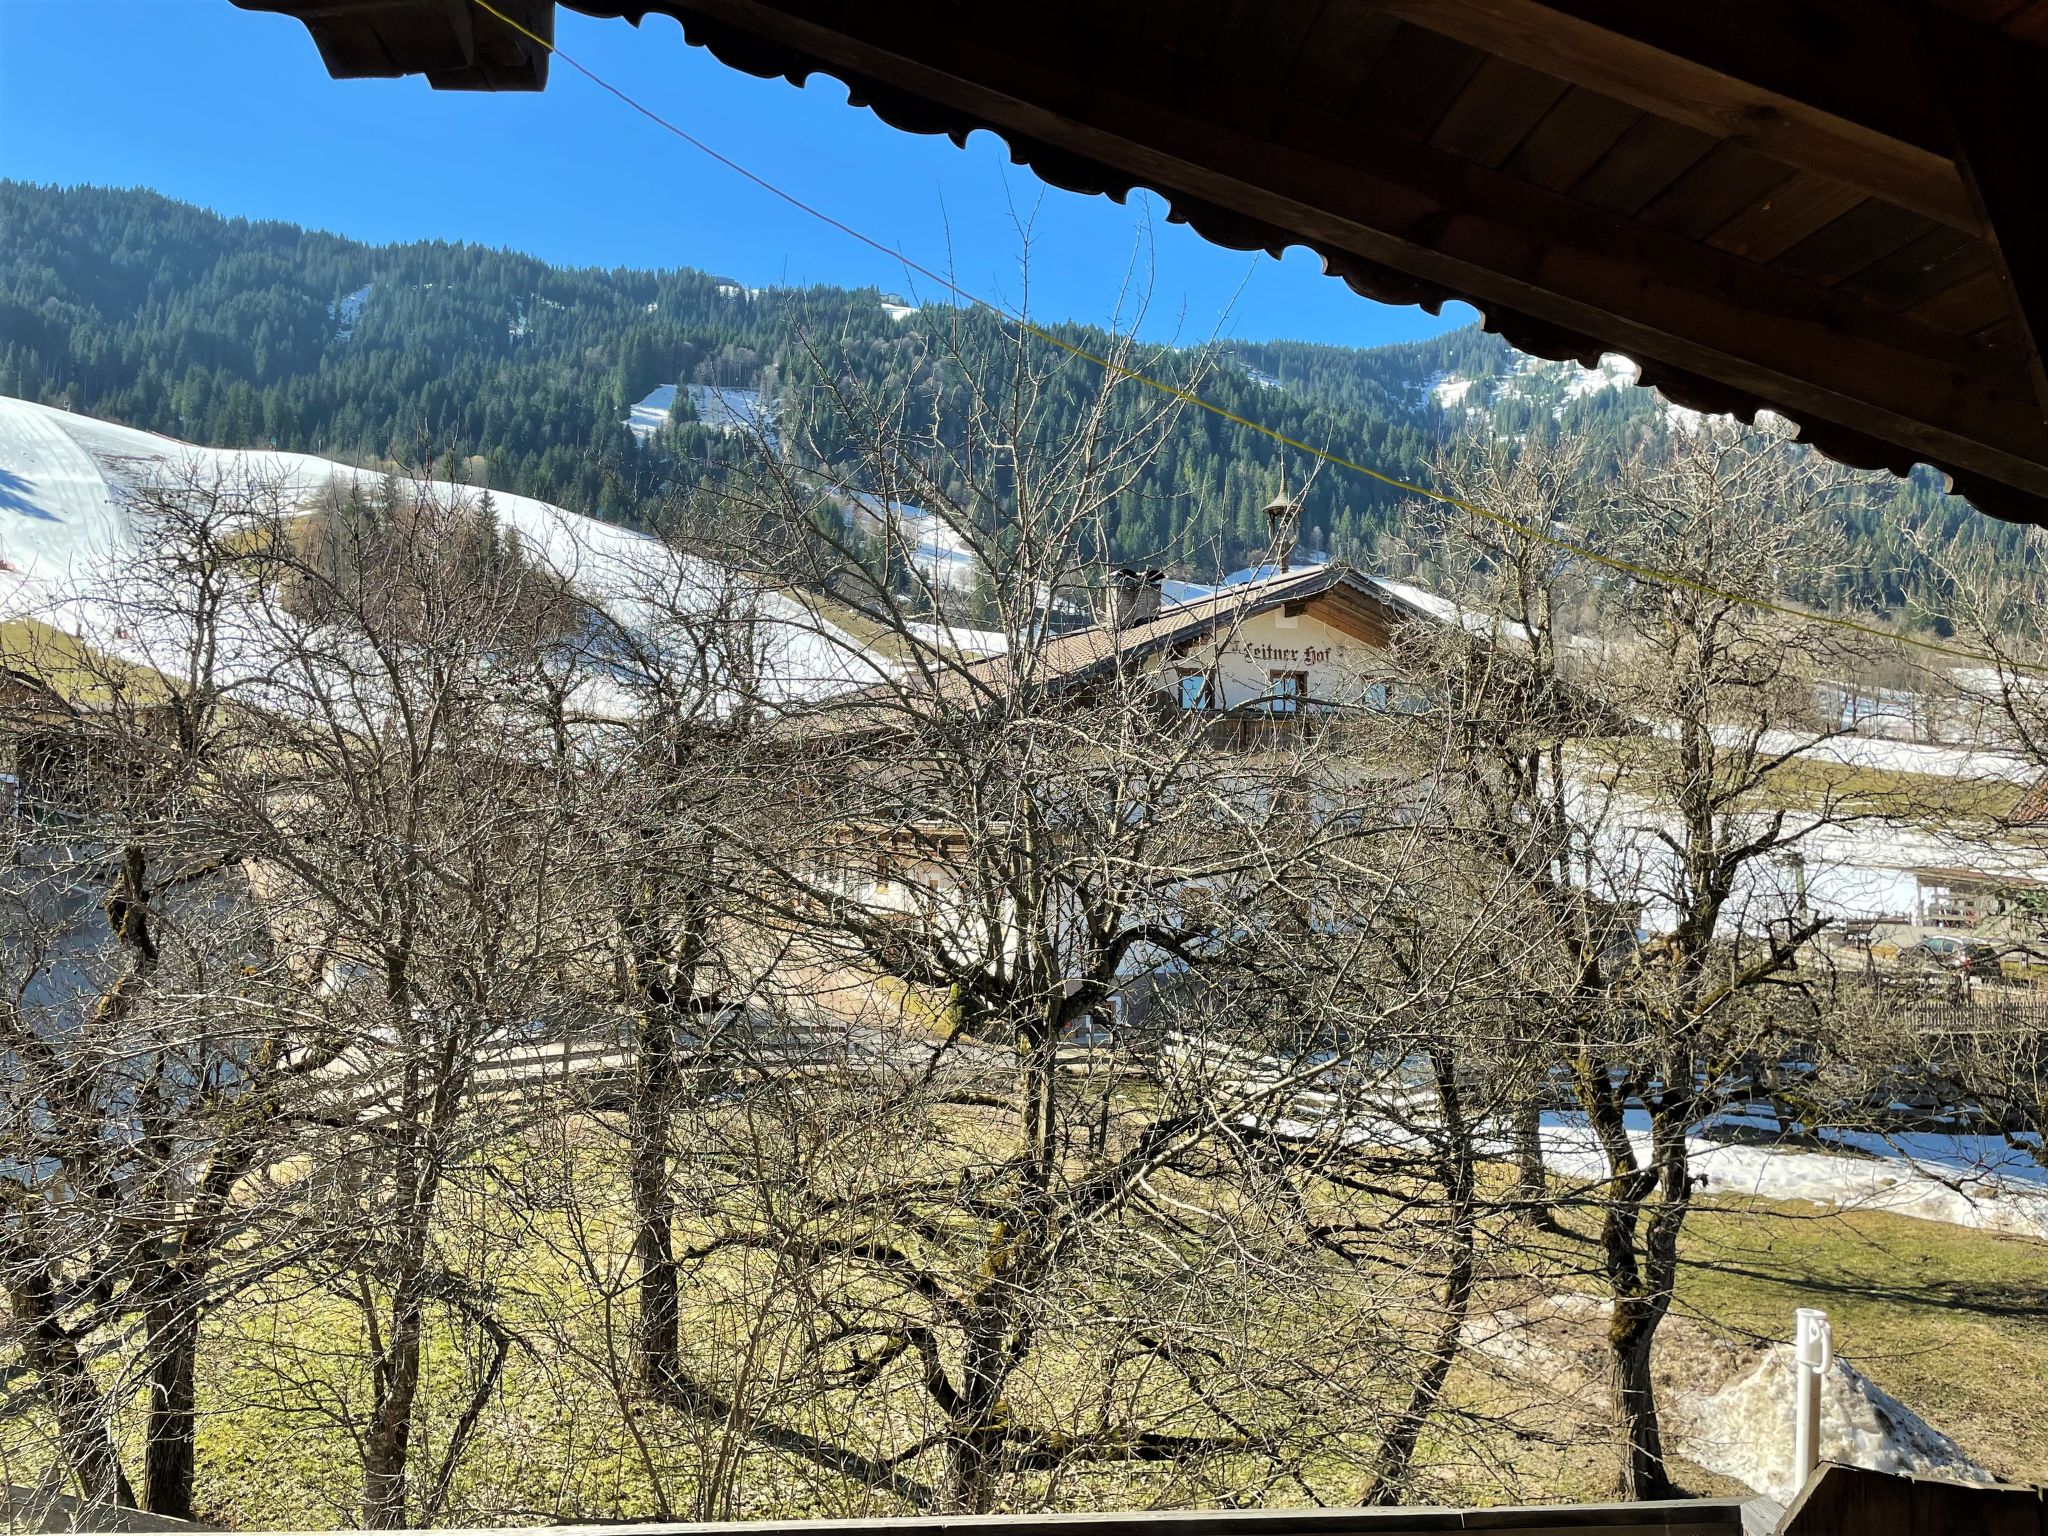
[(1744, 1430), (1447, 389), (649, 415), (348, 310), (1725, 1406), (730, 411), (1613, 372), (1998, 1198)]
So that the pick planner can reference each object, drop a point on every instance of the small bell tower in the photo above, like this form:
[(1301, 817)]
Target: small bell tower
[(1283, 524)]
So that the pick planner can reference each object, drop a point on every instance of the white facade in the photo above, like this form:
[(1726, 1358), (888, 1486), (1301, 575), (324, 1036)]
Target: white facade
[(1269, 660)]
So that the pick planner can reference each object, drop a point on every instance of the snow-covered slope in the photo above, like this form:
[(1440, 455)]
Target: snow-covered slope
[(348, 310), (70, 501), (722, 410), (75, 525)]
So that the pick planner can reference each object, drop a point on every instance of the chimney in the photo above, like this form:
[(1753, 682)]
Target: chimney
[(1283, 523), (1133, 596)]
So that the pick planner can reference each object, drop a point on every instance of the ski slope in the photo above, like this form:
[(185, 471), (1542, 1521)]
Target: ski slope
[(76, 539), (730, 411)]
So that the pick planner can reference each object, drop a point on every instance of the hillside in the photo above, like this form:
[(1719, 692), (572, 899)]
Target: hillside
[(78, 558), (551, 382)]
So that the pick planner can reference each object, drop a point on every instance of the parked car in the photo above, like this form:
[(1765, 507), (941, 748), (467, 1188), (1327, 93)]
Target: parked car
[(1939, 955), (1088, 1033)]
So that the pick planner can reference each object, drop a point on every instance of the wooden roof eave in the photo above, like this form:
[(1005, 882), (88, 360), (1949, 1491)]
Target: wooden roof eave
[(1864, 386), (1912, 333)]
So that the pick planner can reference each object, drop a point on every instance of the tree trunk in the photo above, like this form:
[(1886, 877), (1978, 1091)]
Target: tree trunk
[(387, 1439), (658, 1337), (1639, 1307), (1531, 1194), (974, 1455), (1629, 1338), (170, 1451), (52, 1353), (1397, 1451)]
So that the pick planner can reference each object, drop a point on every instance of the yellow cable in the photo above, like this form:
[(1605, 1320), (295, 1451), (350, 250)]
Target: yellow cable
[(1646, 573)]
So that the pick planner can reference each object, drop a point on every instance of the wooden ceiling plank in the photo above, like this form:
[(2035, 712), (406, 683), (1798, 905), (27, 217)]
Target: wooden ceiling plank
[(2029, 24), (1987, 13), (1920, 268), (1415, 81), (1261, 43), (1866, 234), (1498, 107), (1338, 54), (1570, 140), (1642, 163), (1964, 308), (1825, 85), (2000, 145), (1791, 212), (1727, 180)]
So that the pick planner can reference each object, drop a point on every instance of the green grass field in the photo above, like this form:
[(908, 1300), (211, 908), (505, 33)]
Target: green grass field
[(1952, 1322)]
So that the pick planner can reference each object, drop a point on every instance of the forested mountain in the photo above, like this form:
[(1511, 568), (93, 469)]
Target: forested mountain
[(130, 306)]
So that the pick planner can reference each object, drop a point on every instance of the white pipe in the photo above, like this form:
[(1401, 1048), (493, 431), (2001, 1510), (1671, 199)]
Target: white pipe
[(1813, 1352)]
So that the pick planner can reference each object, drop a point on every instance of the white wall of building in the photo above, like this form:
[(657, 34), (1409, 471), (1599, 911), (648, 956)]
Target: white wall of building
[(1243, 661)]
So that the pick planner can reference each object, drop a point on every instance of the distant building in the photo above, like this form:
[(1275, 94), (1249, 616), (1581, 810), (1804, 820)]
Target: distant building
[(1974, 899)]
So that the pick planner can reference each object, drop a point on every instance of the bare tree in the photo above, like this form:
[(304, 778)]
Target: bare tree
[(147, 1063), (1636, 779), (405, 833), (999, 856)]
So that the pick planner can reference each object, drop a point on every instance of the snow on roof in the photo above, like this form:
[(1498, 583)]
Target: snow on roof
[(1474, 621)]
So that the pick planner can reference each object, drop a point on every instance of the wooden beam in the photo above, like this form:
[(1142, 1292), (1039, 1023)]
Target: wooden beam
[(1852, 1501), (456, 46), (1353, 619), (1983, 94), (1833, 86), (1072, 99)]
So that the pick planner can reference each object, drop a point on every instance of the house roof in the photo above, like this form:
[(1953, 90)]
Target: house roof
[(1824, 207), (1356, 603), (1334, 593), (1954, 875), (2032, 809)]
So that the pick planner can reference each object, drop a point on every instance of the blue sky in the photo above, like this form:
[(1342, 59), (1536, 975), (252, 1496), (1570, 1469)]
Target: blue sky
[(232, 110)]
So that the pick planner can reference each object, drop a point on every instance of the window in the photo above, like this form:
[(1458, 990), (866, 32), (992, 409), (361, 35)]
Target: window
[(1286, 692), (1194, 689)]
